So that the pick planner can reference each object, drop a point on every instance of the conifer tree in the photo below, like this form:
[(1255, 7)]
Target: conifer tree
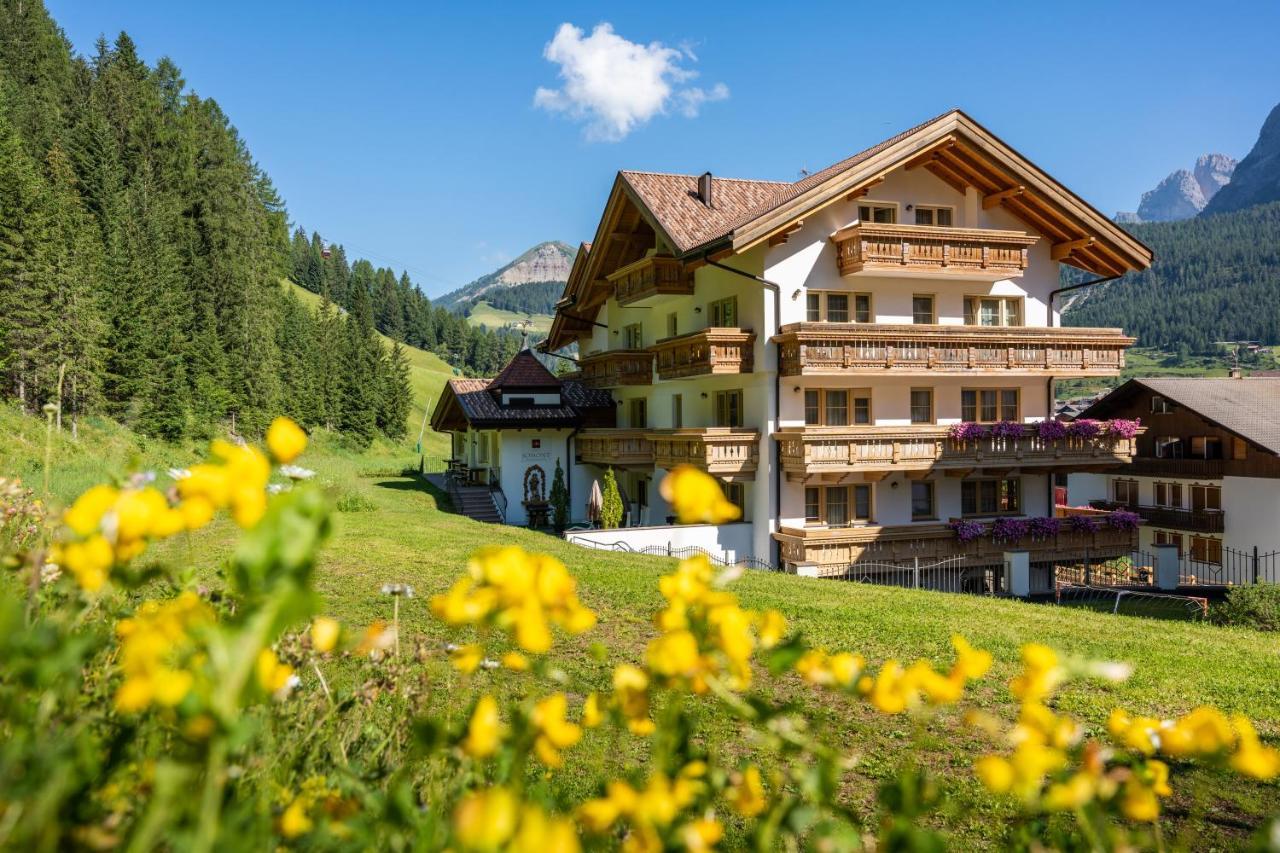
[(611, 506)]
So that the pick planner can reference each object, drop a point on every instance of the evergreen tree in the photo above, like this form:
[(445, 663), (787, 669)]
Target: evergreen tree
[(611, 507), (393, 411), (559, 500)]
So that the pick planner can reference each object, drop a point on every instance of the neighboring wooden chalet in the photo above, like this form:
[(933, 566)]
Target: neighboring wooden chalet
[(1206, 475), (508, 433)]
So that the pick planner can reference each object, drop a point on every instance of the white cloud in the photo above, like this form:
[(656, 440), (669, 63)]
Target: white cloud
[(614, 85)]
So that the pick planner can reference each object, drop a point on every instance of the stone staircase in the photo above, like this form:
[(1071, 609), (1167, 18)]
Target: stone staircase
[(476, 502)]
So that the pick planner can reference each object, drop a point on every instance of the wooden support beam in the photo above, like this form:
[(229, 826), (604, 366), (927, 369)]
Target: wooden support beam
[(874, 476), (930, 154), (972, 175), (781, 237), (918, 474), (939, 169), (1064, 250), (1028, 213), (994, 178), (864, 189), (958, 473), (994, 199)]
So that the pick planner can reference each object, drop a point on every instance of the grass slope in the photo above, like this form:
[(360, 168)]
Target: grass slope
[(484, 314), (428, 373), (405, 536)]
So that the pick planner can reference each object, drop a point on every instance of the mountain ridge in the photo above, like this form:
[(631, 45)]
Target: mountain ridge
[(548, 261), (1256, 179)]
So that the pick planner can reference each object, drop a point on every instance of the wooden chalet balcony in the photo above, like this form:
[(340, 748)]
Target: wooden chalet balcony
[(1212, 469), (620, 447), (729, 452), (649, 277), (842, 348), (710, 351), (833, 549), (616, 367), (975, 253), (1199, 520), (806, 451)]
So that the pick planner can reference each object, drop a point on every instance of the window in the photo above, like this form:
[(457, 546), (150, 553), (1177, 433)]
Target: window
[(837, 506), (1169, 447), (723, 313), (484, 448), (672, 326), (1206, 550), (677, 411), (642, 492), (885, 213), (988, 405), (1164, 537), (1125, 492), (921, 499), (930, 215), (823, 306), (993, 311), (837, 407), (1239, 450), (1169, 495), (922, 405), (520, 402), (1159, 405), (736, 494), (1206, 498), (1206, 447), (728, 408), (639, 410), (990, 497), (633, 336), (922, 309)]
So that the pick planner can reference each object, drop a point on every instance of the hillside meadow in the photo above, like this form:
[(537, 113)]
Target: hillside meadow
[(392, 528)]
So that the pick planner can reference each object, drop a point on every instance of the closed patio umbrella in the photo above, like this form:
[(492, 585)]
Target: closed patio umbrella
[(595, 502)]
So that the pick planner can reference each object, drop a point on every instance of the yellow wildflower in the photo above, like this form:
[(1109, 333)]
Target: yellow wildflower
[(86, 513), (1040, 673), (467, 658), (545, 834), (515, 662), (970, 663), (747, 795), (486, 820), (484, 732), (295, 822), (197, 511), (696, 497), (702, 834), (891, 691), (273, 676), (1070, 795), (674, 655), (772, 627), (631, 691), (1251, 757), (285, 440), (591, 715), (995, 772), (325, 631), (1139, 802), (554, 731), (89, 561)]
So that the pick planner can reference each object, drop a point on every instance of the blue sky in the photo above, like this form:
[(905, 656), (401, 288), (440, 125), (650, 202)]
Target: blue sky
[(410, 133)]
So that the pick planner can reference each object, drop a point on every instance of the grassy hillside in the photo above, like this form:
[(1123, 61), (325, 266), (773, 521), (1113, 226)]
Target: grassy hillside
[(484, 314), (427, 375), (1150, 362), (402, 535)]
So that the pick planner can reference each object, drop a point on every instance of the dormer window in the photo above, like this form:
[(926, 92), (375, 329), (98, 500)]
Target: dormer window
[(520, 402)]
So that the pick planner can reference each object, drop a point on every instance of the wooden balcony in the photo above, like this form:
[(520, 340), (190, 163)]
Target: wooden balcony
[(618, 447), (616, 367), (1198, 520), (1203, 469), (728, 452), (879, 451), (710, 351), (973, 253), (833, 549), (816, 349), (638, 282)]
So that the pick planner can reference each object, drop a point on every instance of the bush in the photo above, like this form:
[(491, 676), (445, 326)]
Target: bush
[(1256, 606)]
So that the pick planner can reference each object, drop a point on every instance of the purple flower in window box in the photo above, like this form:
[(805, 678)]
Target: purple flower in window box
[(1043, 528), (1083, 524), (1052, 430), (1122, 519), (967, 531), (1123, 427), (1009, 529), (1008, 429), (967, 431), (1084, 428)]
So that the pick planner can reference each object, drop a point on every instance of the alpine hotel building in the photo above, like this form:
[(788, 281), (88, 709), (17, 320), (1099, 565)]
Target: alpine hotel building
[(812, 343)]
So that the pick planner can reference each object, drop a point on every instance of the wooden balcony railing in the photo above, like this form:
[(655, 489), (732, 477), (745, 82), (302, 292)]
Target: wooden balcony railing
[(839, 450), (613, 368), (706, 352), (1158, 467), (833, 549), (1199, 520), (724, 451), (965, 252), (648, 277), (620, 447), (842, 348)]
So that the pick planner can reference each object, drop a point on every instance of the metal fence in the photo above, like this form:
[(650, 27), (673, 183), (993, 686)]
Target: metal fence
[(684, 553), (949, 575), (1235, 567), (1137, 568)]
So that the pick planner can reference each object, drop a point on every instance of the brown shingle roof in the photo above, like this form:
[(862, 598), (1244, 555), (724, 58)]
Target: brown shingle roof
[(525, 371), (673, 201), (1249, 407)]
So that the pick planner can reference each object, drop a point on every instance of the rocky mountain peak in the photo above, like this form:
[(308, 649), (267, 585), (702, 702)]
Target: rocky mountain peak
[(1256, 180), (1183, 194), (544, 262)]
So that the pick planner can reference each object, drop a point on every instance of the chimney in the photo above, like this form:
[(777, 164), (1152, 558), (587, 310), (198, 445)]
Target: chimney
[(704, 188)]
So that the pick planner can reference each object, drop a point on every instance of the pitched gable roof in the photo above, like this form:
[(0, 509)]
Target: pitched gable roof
[(1249, 407), (673, 201), (525, 371)]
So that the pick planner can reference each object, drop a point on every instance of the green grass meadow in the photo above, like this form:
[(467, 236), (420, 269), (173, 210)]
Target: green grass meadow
[(397, 529)]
